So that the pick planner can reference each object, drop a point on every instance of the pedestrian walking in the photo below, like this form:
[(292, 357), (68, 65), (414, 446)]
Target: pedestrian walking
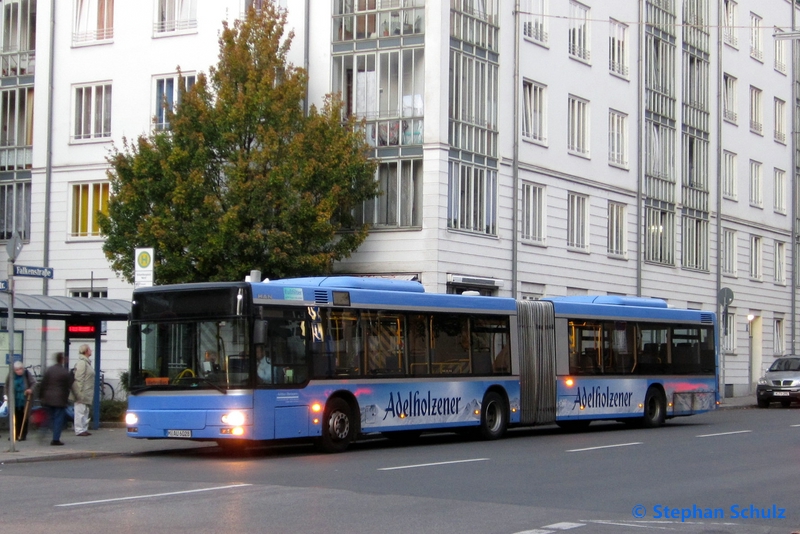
[(24, 382), (83, 390), (54, 393)]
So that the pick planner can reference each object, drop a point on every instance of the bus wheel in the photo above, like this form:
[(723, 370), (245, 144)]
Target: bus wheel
[(337, 426), (655, 408), (494, 416)]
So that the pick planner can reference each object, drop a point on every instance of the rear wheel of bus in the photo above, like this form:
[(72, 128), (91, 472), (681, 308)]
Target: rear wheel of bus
[(655, 408), (338, 426), (494, 416)]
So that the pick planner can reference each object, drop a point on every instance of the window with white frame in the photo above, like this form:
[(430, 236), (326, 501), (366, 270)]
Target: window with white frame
[(168, 95), (659, 245), (729, 100), (367, 19), (88, 200), (729, 189), (94, 21), (756, 37), (89, 293), (729, 23), (729, 331), (780, 263), (579, 31), (617, 138), (577, 221), (780, 53), (779, 191), (534, 22), (533, 215), (400, 203), (756, 114), (92, 115), (473, 98), (472, 205), (756, 257), (618, 48), (15, 209), (780, 121), (694, 242), (534, 116), (729, 252), (578, 127), (777, 337), (755, 184), (16, 128), (175, 16), (617, 243)]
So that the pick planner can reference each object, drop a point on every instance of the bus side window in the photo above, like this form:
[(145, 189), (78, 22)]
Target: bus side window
[(417, 343)]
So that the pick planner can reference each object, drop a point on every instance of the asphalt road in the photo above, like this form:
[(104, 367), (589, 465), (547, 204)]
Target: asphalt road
[(707, 473)]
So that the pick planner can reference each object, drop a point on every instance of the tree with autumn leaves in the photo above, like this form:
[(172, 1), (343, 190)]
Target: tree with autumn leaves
[(243, 179)]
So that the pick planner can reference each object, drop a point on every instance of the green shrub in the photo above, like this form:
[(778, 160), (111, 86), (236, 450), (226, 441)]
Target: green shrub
[(113, 410)]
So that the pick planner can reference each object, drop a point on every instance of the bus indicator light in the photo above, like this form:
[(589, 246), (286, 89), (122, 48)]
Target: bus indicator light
[(238, 431), (315, 421), (316, 407), (569, 382)]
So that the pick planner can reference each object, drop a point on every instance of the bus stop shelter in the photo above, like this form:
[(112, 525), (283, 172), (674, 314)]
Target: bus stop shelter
[(83, 318)]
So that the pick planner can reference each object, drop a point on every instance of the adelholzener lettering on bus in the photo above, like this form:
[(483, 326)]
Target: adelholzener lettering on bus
[(597, 398), (415, 405)]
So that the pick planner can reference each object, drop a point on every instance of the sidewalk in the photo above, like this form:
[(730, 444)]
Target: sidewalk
[(113, 441)]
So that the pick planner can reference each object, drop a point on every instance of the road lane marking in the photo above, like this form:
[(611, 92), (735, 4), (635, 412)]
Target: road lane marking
[(794, 425), (605, 447), (723, 434), (551, 529), (150, 496), (432, 464)]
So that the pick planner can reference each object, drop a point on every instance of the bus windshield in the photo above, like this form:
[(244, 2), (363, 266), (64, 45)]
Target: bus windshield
[(206, 354)]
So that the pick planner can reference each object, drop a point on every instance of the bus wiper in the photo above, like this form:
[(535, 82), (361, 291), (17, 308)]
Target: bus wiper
[(199, 379)]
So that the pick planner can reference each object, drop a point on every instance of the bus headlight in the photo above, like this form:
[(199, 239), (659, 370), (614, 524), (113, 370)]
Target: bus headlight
[(131, 419), (233, 418)]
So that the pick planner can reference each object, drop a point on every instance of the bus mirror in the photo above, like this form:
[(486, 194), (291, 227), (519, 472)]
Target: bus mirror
[(260, 333), (131, 334)]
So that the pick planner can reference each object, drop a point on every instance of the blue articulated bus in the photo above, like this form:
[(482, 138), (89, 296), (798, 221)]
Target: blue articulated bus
[(335, 358)]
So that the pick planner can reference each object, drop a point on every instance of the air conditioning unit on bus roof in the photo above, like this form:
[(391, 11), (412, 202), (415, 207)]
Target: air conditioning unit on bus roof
[(473, 281)]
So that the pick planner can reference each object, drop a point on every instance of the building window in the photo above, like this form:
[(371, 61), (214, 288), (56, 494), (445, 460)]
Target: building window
[(780, 263), (168, 96), (729, 189), (365, 19), (16, 128), (618, 48), (472, 204), (756, 115), (780, 121), (729, 332), (728, 252), (89, 293), (729, 23), (777, 337), (18, 38), (400, 202), (577, 221), (756, 38), (533, 216), (578, 127), (87, 201), (534, 22), (94, 21), (694, 245), (15, 209), (534, 117), (755, 257), (695, 81), (779, 191), (729, 111), (755, 184), (659, 246), (473, 103), (92, 111), (780, 53), (579, 31), (617, 138), (175, 16), (695, 163), (617, 242)]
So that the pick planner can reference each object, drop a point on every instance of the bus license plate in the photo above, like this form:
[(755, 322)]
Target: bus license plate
[(781, 393), (179, 433)]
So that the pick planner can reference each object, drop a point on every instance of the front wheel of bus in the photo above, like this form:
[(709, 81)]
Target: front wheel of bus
[(337, 426), (655, 408), (494, 416)]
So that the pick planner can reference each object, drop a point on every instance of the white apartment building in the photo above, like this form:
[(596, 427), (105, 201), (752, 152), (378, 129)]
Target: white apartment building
[(526, 148)]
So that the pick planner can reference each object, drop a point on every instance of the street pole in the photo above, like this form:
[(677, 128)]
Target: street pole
[(13, 247)]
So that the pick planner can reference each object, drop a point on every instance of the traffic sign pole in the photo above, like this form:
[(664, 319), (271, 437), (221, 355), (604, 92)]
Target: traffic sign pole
[(13, 247)]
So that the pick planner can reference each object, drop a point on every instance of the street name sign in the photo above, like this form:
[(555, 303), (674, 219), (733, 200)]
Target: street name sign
[(34, 272)]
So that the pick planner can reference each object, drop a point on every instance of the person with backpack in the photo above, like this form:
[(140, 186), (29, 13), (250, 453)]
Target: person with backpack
[(83, 390)]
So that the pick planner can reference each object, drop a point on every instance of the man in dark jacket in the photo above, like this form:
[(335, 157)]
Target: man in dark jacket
[(54, 394)]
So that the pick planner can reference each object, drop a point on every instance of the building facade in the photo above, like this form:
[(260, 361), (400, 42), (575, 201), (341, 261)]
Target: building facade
[(525, 148)]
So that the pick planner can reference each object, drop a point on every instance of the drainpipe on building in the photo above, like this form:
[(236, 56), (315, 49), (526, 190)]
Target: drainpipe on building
[(48, 174), (720, 107), (515, 164), (793, 276), (640, 156)]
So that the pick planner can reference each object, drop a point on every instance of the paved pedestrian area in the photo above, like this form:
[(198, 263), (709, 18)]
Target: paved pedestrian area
[(113, 441)]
